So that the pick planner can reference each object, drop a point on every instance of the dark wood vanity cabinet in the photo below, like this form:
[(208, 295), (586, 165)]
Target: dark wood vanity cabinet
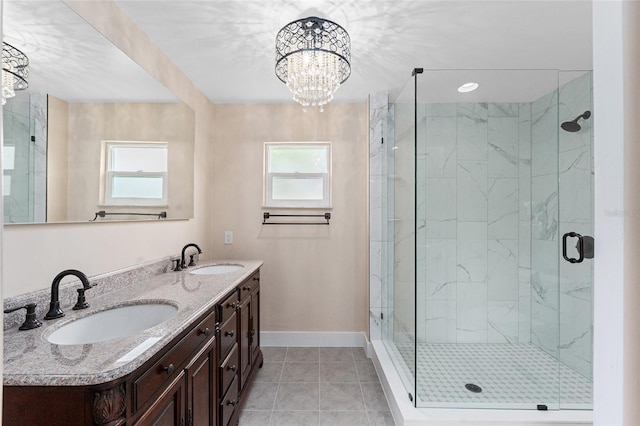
[(249, 323), (201, 378), (239, 359)]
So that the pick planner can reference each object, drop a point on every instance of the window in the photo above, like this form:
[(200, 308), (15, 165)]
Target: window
[(297, 174), (136, 173)]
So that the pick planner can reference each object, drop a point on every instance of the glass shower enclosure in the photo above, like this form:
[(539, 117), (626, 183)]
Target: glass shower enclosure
[(485, 191), (25, 158)]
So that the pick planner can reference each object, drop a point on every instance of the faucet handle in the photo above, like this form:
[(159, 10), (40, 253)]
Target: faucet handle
[(31, 321), (178, 267), (81, 302)]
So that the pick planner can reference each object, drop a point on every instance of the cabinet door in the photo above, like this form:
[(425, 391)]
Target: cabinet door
[(201, 385), (255, 324), (168, 410), (245, 347)]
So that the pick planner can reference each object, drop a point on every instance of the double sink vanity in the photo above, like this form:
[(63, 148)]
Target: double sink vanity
[(155, 347)]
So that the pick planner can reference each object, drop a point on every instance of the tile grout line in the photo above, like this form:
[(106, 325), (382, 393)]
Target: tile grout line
[(351, 360), (360, 385), (275, 398)]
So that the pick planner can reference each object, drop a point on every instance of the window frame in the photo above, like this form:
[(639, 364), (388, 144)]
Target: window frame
[(268, 177), (110, 175)]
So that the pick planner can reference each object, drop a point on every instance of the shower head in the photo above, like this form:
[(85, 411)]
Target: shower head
[(573, 126)]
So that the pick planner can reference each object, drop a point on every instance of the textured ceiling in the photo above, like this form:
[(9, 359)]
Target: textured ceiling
[(69, 59), (227, 47)]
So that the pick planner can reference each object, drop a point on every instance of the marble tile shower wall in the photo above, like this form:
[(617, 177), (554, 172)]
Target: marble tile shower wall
[(576, 214), (561, 200), (378, 115), (473, 224), (544, 230), (494, 192)]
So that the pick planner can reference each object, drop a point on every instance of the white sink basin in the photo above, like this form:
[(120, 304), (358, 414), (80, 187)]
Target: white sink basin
[(217, 269), (113, 323)]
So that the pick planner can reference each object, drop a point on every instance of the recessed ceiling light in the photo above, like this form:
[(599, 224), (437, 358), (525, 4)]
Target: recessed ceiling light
[(468, 87)]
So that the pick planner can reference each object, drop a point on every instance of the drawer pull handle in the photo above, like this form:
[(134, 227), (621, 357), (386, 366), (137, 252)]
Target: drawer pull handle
[(232, 402), (246, 288), (206, 332), (169, 369), (232, 368), (256, 278), (229, 333)]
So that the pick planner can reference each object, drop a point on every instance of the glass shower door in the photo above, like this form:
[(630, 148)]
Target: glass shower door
[(487, 324), (576, 185)]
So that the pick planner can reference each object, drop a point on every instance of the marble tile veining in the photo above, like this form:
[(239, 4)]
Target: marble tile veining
[(497, 184)]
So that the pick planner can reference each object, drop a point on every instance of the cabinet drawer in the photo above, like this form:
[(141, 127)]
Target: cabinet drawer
[(249, 286), (228, 402), (228, 335), (228, 307), (228, 369), (171, 364)]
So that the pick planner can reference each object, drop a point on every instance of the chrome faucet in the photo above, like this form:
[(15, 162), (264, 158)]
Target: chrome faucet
[(184, 249), (54, 305)]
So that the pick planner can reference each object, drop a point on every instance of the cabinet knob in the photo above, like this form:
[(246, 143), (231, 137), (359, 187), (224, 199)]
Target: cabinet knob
[(232, 305), (206, 331), (246, 288), (229, 333), (232, 368), (256, 278), (169, 369), (232, 402)]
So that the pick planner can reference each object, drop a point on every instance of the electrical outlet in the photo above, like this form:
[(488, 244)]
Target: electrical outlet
[(228, 237)]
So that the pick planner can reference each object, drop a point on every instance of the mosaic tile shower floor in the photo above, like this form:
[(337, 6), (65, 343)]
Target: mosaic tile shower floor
[(517, 376)]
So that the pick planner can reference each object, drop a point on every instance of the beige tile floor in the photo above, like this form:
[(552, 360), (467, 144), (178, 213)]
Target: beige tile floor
[(316, 386)]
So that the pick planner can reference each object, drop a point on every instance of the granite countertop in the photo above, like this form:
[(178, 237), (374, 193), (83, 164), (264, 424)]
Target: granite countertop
[(30, 360)]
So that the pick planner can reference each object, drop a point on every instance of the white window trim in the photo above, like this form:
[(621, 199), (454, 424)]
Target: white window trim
[(109, 177), (269, 202)]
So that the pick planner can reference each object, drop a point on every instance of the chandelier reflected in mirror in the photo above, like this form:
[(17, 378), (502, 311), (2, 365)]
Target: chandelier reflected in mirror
[(313, 58), (15, 71)]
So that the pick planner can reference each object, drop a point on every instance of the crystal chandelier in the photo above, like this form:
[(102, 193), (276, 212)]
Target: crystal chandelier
[(15, 71), (313, 58)]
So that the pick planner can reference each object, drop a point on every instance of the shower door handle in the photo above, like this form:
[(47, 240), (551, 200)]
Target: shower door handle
[(584, 246)]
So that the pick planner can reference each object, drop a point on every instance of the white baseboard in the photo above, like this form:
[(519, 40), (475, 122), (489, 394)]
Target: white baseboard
[(313, 339)]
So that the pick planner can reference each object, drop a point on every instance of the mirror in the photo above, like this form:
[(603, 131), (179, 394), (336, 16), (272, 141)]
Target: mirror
[(86, 99)]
